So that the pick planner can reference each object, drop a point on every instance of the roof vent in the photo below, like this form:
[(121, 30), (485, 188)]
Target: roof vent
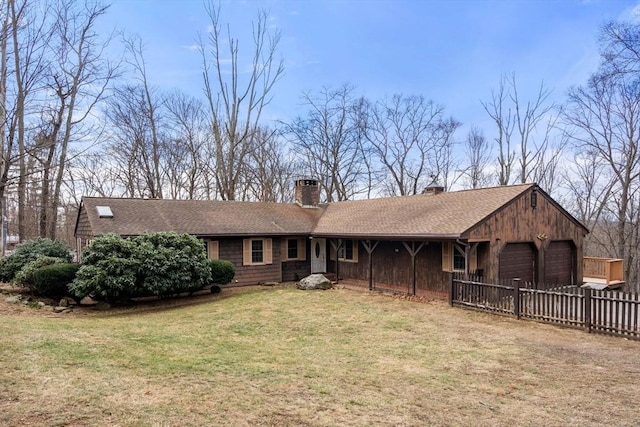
[(104, 212)]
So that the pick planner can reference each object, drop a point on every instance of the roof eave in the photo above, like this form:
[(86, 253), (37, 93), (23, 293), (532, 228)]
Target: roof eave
[(387, 236)]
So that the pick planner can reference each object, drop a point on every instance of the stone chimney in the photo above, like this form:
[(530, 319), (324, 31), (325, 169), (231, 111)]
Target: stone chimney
[(308, 192)]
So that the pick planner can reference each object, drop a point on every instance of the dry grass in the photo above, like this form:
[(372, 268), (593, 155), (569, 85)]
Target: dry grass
[(283, 357)]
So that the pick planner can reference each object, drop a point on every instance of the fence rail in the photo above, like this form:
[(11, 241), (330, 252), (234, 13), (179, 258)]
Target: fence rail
[(605, 312)]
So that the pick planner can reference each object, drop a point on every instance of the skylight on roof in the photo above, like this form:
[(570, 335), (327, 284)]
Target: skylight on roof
[(104, 212)]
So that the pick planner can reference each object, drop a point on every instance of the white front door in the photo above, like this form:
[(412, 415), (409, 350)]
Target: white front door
[(318, 256)]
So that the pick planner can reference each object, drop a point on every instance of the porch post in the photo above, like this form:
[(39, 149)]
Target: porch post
[(336, 246), (370, 247), (413, 252)]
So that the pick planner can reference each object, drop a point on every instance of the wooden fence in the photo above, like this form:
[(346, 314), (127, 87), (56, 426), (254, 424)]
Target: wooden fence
[(606, 312)]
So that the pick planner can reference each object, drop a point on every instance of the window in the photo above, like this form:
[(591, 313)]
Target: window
[(458, 258), (211, 247), (104, 212), (257, 252), (348, 251), (292, 249), (453, 257)]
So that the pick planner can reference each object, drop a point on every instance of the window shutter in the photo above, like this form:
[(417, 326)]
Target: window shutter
[(447, 255), (473, 261), (355, 251), (302, 249), (246, 252), (268, 251), (214, 252), (284, 249)]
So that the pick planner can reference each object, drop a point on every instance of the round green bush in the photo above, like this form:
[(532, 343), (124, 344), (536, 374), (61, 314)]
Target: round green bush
[(29, 251), (171, 263), (24, 277), (53, 280), (222, 272), (109, 269)]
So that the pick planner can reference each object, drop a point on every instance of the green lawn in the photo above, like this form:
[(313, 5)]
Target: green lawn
[(283, 357)]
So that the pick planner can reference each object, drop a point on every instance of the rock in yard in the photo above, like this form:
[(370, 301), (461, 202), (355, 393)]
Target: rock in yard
[(88, 301), (67, 302), (14, 299), (61, 309), (315, 281)]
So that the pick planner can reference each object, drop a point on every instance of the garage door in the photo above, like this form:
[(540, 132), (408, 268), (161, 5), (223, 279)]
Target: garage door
[(559, 263), (517, 260)]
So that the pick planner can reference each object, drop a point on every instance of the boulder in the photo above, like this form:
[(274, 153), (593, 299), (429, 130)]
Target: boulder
[(315, 281), (14, 299), (88, 301), (67, 302)]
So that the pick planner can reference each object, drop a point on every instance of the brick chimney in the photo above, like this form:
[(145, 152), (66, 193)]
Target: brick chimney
[(433, 189), (308, 192)]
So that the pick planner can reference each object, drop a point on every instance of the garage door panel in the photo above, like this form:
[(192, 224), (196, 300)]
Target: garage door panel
[(559, 263), (517, 260)]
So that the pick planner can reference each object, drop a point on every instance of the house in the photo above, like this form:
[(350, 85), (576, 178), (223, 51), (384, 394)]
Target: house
[(409, 243)]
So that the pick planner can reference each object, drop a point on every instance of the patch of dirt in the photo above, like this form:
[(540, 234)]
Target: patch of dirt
[(140, 305)]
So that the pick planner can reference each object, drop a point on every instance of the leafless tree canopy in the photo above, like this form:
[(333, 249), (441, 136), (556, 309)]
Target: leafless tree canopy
[(74, 121)]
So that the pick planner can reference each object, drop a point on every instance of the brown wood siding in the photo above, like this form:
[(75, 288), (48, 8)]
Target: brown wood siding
[(520, 222), (296, 270), (83, 228), (231, 250), (392, 266)]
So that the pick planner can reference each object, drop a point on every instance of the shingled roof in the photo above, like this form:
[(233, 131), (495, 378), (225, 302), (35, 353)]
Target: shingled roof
[(199, 217), (444, 215)]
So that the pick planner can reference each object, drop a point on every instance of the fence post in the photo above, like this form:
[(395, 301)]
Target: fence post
[(587, 309), (451, 290), (516, 297)]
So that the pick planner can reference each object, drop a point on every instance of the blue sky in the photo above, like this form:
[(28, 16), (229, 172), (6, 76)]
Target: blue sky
[(452, 52)]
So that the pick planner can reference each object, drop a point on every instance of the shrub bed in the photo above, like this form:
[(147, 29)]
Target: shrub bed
[(159, 264), (30, 251)]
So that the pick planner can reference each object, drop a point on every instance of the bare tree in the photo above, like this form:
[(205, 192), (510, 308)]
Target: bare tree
[(81, 75), (499, 111), (30, 33), (131, 144), (328, 142), (236, 103), (187, 161), (478, 155), (604, 118), (522, 141), (413, 142), (270, 170), (149, 104), (620, 48)]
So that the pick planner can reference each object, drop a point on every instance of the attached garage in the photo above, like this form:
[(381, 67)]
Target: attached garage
[(518, 261), (559, 263)]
